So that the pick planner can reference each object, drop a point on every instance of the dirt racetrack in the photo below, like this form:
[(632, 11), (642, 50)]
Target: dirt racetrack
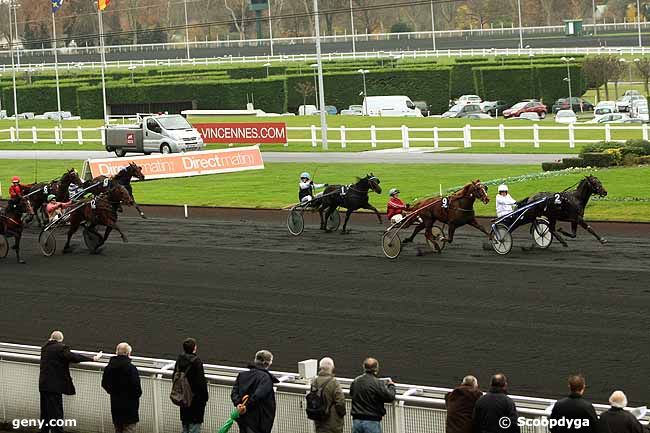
[(238, 282)]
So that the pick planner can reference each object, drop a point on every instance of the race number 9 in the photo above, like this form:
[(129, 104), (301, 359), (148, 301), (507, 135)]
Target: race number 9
[(445, 202)]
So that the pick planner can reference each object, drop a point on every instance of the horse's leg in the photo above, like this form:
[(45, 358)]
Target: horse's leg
[(107, 233), (587, 227), (574, 230), (478, 226), (17, 238), (554, 232), (139, 210), (372, 208), (418, 229), (323, 209), (119, 230), (345, 224), (74, 226), (429, 235), (451, 229)]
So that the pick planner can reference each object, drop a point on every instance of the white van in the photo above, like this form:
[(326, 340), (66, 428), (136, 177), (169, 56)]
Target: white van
[(396, 106)]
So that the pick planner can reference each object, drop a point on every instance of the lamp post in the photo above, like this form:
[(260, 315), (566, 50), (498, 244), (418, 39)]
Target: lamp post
[(531, 56), (187, 31), (433, 27), (132, 68), (15, 5), (314, 67), (521, 36), (354, 44), (568, 78), (267, 66), (638, 19), (270, 29), (13, 71), (363, 73)]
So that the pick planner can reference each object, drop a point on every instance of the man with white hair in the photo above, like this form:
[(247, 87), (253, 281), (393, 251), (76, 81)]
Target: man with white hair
[(258, 414), (122, 382), (460, 405), (55, 380), (326, 402), (617, 419)]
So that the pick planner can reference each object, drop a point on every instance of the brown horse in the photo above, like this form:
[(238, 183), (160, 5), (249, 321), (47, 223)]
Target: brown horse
[(11, 223), (38, 193), (99, 211), (101, 184), (456, 210)]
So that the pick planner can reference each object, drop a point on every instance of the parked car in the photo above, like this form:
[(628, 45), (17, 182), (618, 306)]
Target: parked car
[(611, 118), (526, 107), (478, 116), (307, 110), (632, 93), (462, 110), (642, 113), (393, 106), (423, 107), (331, 110), (468, 99), (494, 108), (636, 105), (353, 110), (566, 116), (577, 104), (526, 116), (605, 107), (625, 103)]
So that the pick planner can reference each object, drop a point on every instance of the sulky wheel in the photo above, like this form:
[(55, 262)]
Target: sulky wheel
[(501, 239), (92, 240), (4, 247), (334, 221), (391, 244), (296, 222), (541, 233), (47, 243)]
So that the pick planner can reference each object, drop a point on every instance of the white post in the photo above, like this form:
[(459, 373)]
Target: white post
[(314, 141), (435, 138), (103, 65), (56, 69), (521, 37), (467, 136), (56, 135), (373, 136), (34, 135), (12, 134), (405, 137), (354, 43), (572, 138), (638, 18), (342, 129), (608, 132), (13, 68), (321, 87), (502, 135), (270, 29), (103, 134), (80, 135), (536, 136)]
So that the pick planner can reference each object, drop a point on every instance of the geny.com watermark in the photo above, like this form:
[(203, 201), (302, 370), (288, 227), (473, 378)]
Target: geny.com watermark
[(40, 423), (505, 422)]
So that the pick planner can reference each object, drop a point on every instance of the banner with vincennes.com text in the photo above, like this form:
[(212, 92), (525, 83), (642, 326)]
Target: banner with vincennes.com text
[(183, 164), (258, 132)]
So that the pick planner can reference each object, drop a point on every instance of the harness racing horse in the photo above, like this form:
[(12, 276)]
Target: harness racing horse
[(569, 206), (38, 193), (99, 211), (351, 197), (101, 184), (11, 223), (456, 210)]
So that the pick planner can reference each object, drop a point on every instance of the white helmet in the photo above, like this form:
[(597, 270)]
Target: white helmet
[(503, 188)]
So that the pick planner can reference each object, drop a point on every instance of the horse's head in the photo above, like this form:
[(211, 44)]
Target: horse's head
[(479, 191), (596, 185), (71, 177), (119, 194), (135, 171), (18, 206), (373, 183)]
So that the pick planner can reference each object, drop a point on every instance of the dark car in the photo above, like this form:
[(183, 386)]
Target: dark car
[(495, 108), (526, 107), (462, 110), (577, 105)]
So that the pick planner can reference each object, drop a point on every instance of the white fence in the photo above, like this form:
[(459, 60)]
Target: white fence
[(405, 137), (418, 409)]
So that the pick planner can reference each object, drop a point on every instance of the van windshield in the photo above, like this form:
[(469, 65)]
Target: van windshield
[(174, 122)]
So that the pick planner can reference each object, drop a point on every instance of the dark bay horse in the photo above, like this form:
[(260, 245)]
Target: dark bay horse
[(38, 192), (350, 197), (99, 211), (11, 223), (456, 210), (569, 206), (101, 184)]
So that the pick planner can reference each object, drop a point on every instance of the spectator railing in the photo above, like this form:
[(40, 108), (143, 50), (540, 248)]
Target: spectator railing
[(418, 409)]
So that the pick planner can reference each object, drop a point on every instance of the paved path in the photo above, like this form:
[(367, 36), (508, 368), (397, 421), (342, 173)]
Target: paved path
[(396, 157)]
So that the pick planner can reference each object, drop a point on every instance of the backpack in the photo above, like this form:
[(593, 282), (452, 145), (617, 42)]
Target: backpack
[(316, 408), (181, 393)]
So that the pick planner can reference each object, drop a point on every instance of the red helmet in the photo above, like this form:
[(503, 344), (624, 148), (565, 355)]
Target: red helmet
[(15, 179)]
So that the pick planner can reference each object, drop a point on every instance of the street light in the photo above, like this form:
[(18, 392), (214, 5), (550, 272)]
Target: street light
[(363, 73), (267, 66), (568, 78), (638, 19)]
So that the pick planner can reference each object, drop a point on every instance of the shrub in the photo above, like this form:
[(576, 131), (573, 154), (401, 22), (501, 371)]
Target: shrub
[(643, 160), (598, 159), (636, 147), (552, 166), (573, 162)]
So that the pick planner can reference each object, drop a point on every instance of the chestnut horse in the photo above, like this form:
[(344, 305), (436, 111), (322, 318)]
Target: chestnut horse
[(102, 184), (11, 223), (456, 210)]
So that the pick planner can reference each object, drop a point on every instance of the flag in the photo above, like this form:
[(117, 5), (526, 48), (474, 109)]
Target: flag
[(103, 4), (56, 5)]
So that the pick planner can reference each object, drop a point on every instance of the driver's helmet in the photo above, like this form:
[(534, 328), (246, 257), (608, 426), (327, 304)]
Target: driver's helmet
[(305, 175), (393, 191), (51, 197), (503, 188), (15, 179)]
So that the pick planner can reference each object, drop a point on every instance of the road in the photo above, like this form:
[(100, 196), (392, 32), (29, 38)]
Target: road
[(375, 157), (238, 282)]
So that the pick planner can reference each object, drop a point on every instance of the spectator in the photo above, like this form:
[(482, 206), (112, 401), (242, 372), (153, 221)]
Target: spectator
[(256, 383), (333, 398), (122, 382), (617, 419), (55, 380), (190, 363), (495, 412), (575, 407), (369, 394), (460, 406)]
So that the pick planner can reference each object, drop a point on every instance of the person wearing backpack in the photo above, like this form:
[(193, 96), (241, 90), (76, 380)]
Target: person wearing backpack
[(191, 366), (325, 401)]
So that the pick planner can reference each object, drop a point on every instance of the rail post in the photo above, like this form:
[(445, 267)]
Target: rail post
[(103, 135), (373, 136), (435, 137), (572, 136), (467, 136), (80, 135), (12, 134), (502, 135), (156, 403), (57, 139), (608, 132), (536, 136), (405, 137), (343, 144), (314, 141), (644, 129), (34, 135)]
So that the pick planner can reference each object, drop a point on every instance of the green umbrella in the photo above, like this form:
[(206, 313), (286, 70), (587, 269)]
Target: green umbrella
[(234, 415)]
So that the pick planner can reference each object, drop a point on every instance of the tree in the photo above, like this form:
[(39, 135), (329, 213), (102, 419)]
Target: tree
[(237, 10), (400, 28), (593, 68), (643, 66), (615, 68), (305, 88)]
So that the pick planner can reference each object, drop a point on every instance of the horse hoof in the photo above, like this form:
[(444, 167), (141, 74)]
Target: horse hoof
[(604, 241), (21, 262), (407, 241)]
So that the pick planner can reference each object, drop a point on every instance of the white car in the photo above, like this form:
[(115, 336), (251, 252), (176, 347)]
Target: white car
[(526, 116), (611, 118), (566, 117), (469, 99), (353, 110), (605, 107)]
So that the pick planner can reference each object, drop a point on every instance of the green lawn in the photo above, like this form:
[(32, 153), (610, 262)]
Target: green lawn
[(276, 186), (351, 122)]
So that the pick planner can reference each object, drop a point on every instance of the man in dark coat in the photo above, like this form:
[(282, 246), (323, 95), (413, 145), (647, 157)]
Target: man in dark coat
[(190, 363), (258, 414), (460, 406), (574, 413), (369, 394), (55, 380), (617, 419), (495, 412), (122, 381)]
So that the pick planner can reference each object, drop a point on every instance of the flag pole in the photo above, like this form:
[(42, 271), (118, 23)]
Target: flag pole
[(56, 73), (103, 60), (13, 69)]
